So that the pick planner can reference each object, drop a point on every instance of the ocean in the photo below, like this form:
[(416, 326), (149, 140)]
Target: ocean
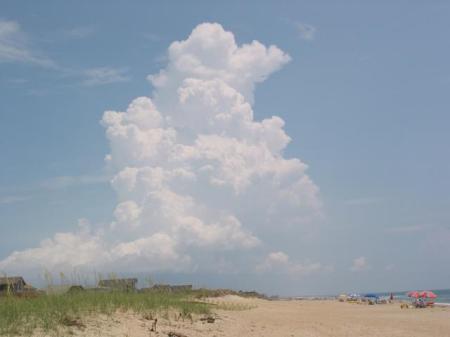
[(443, 295)]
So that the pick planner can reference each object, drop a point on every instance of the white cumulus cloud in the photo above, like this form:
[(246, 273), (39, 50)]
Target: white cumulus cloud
[(197, 176), (211, 53), (127, 213)]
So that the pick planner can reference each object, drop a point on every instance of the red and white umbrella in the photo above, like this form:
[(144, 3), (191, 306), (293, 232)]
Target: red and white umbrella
[(428, 294), (414, 294)]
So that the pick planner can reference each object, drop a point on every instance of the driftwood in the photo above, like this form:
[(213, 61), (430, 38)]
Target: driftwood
[(208, 319)]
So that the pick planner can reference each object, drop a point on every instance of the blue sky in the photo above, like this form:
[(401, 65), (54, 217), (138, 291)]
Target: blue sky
[(364, 99)]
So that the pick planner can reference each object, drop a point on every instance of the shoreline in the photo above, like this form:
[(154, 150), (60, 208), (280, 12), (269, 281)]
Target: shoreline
[(318, 298)]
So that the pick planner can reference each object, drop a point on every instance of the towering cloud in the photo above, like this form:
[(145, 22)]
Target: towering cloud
[(197, 177)]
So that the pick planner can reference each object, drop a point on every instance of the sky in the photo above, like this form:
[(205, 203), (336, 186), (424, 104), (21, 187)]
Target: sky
[(291, 147)]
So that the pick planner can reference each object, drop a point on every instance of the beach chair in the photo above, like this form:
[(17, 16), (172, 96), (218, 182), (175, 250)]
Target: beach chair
[(419, 303)]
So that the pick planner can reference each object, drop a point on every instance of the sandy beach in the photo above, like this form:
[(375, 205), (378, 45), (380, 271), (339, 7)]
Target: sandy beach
[(299, 318)]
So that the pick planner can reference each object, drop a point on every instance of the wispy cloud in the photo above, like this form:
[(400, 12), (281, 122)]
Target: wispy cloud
[(281, 263), (361, 201), (15, 47), (408, 229), (306, 31), (359, 264), (68, 181), (17, 82), (105, 75), (152, 37), (390, 267), (79, 32), (12, 199)]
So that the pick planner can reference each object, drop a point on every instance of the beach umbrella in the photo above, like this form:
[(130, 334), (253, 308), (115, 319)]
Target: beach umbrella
[(371, 295), (414, 294), (428, 294)]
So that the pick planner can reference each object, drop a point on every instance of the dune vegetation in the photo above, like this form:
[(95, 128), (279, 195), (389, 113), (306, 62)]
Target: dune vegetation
[(52, 312)]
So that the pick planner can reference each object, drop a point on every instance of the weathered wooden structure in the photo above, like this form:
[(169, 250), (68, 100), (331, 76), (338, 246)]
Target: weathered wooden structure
[(12, 285)]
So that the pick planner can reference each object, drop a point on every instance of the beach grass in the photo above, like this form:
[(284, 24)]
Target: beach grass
[(51, 312)]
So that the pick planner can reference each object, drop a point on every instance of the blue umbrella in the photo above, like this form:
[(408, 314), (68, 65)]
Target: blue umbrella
[(371, 295)]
